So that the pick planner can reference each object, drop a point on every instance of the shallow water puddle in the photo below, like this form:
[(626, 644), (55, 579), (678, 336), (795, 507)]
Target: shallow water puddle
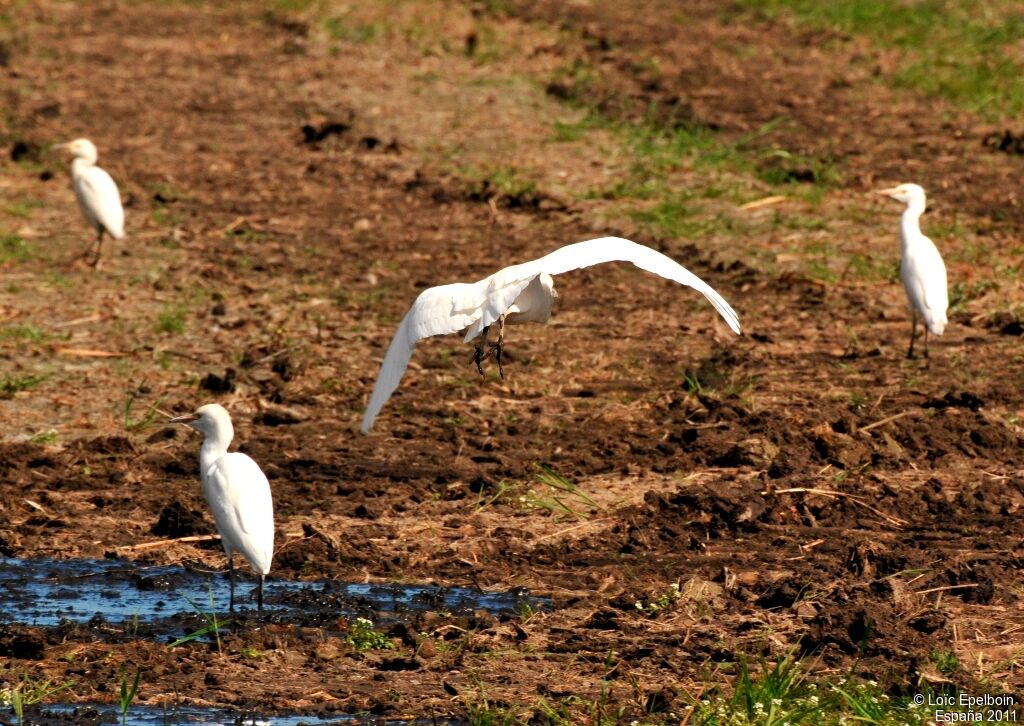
[(93, 715), (45, 592)]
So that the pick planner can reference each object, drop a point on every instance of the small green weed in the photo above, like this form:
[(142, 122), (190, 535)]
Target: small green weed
[(362, 636), (45, 437), (10, 385), (13, 249), (569, 496), (214, 623), (171, 319), (664, 601), (132, 426), (341, 29), (27, 692), (22, 332), (962, 292), (945, 662), (126, 694), (485, 712), (508, 181), (22, 209)]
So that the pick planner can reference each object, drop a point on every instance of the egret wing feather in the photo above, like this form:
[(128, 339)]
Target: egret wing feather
[(100, 200), (926, 281), (595, 252), (239, 495), (436, 311)]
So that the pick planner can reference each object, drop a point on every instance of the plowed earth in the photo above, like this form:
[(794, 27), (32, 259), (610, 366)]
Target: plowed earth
[(816, 492)]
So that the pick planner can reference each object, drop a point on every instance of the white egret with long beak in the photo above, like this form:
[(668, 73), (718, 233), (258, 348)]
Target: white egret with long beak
[(238, 493), (518, 294), (96, 193), (921, 266)]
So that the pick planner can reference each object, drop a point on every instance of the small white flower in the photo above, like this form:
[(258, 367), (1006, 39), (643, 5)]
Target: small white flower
[(776, 701), (813, 700)]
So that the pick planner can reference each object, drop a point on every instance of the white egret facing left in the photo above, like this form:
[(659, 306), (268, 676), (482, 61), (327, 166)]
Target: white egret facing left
[(921, 266), (238, 493), (517, 294), (96, 193)]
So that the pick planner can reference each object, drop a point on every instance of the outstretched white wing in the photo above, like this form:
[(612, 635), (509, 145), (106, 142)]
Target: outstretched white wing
[(435, 312), (239, 495), (100, 200), (617, 249), (450, 308)]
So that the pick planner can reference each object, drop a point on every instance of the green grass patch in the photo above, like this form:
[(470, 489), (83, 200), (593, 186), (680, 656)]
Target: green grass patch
[(22, 209), (45, 437), (24, 332), (506, 180), (13, 249), (963, 52), (354, 32), (363, 636), (171, 319), (10, 385), (781, 693)]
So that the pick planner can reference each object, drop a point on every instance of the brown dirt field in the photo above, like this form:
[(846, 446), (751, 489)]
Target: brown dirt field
[(818, 487)]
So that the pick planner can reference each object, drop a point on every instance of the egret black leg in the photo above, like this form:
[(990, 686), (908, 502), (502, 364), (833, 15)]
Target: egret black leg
[(925, 341), (479, 350), (99, 249), (231, 577), (499, 347), (913, 333), (259, 595)]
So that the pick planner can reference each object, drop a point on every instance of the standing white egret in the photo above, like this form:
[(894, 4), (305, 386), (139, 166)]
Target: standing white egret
[(517, 294), (96, 193), (238, 493), (921, 266)]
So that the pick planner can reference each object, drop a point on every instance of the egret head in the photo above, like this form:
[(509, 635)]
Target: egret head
[(212, 420), (909, 194), (81, 149)]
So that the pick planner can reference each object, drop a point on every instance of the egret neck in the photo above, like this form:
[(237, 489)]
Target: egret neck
[(910, 222), (215, 444)]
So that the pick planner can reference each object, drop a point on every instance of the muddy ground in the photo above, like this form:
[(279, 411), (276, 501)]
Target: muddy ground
[(291, 185)]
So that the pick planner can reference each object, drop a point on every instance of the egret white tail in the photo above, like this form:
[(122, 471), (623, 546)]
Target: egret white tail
[(517, 294)]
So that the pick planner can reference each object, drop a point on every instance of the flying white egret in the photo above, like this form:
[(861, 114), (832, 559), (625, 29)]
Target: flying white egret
[(921, 266), (96, 193), (518, 294), (238, 493)]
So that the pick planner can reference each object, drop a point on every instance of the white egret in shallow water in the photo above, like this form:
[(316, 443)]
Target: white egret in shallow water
[(518, 294), (238, 493), (921, 267), (96, 193)]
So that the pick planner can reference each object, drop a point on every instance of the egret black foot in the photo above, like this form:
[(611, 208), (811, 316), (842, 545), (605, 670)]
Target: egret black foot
[(498, 350), (478, 357)]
